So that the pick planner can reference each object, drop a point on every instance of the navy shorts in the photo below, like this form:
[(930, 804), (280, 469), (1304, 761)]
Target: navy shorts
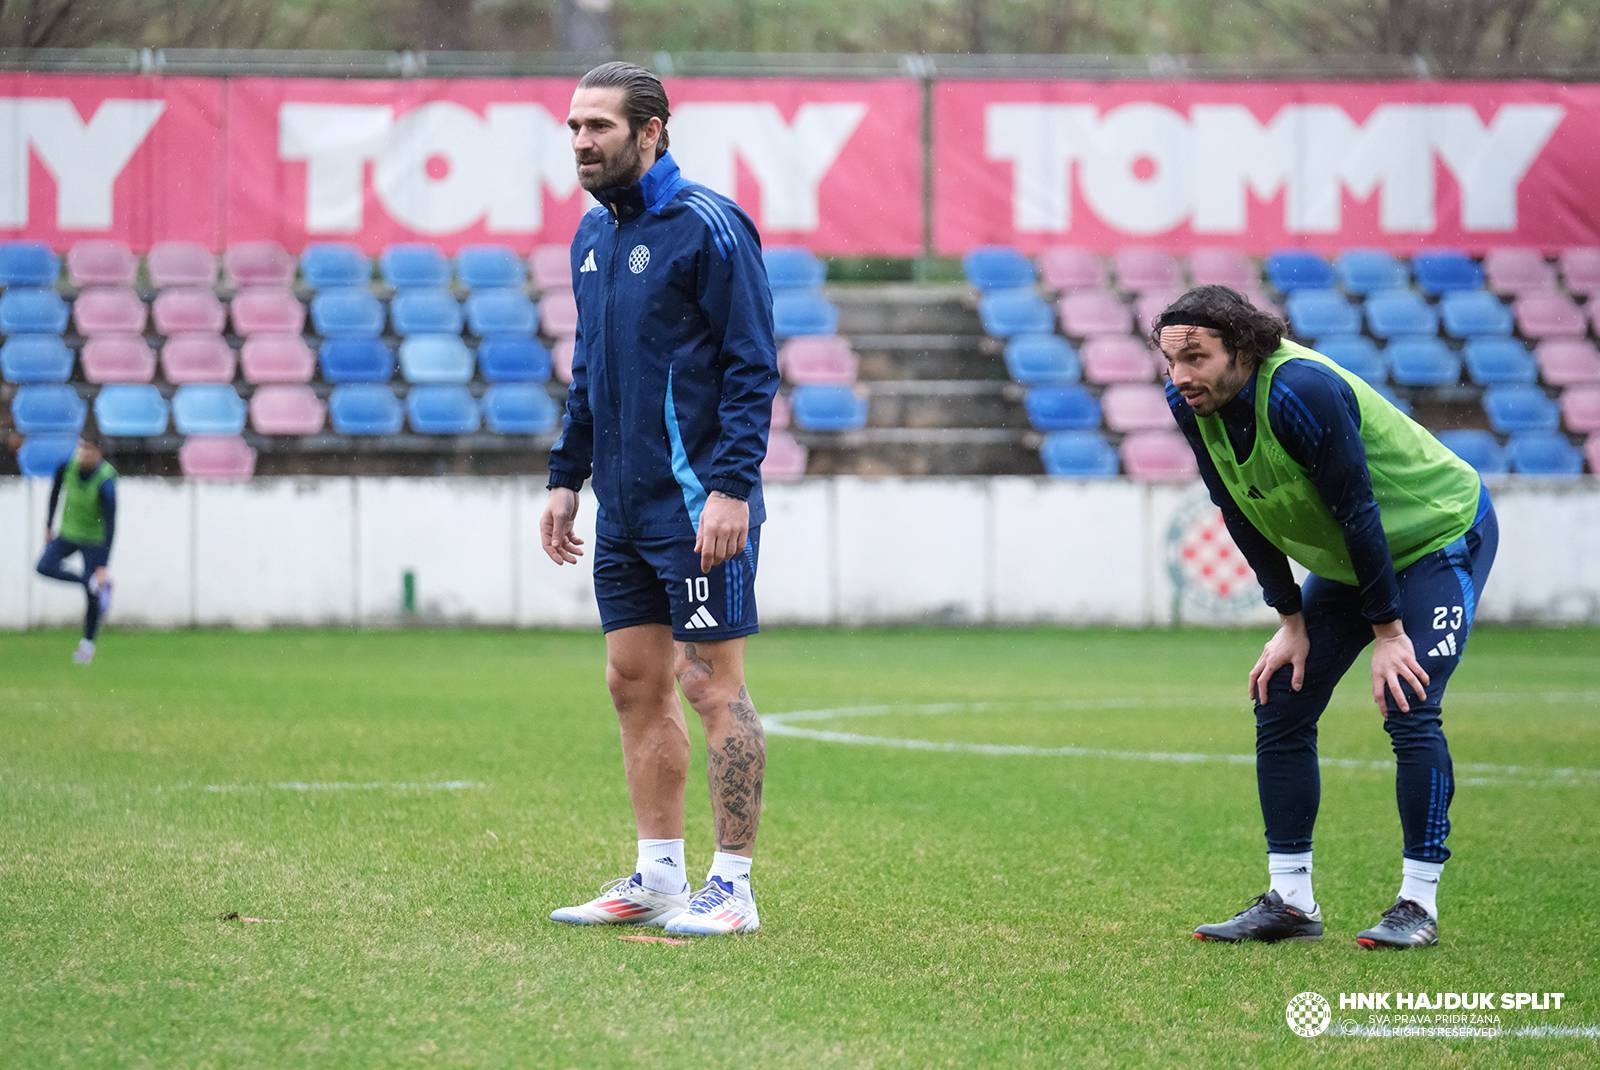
[(658, 581)]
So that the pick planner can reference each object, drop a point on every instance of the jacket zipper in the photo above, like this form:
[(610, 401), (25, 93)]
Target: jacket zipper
[(611, 375)]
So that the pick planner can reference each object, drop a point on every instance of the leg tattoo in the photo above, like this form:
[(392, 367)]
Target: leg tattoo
[(736, 769)]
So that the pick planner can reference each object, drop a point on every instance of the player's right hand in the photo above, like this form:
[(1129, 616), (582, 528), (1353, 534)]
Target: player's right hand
[(555, 527), (1289, 646)]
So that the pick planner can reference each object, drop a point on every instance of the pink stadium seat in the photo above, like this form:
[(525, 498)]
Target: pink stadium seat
[(1086, 312), (1158, 455), (1224, 267), (1581, 270), (781, 412), (1116, 358), (1568, 361), (197, 358), (287, 410), (1064, 268), (216, 457), (1549, 316), (267, 310), (1580, 408), (101, 263), (818, 359), (258, 263), (1515, 272), (187, 310), (1141, 270), (118, 358), (1591, 453), (551, 268), (277, 358), (786, 458), (181, 263), (1129, 407), (1150, 305), (109, 310), (558, 314), (561, 358)]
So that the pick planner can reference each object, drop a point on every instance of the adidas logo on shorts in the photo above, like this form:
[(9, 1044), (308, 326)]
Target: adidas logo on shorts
[(1444, 648), (702, 619)]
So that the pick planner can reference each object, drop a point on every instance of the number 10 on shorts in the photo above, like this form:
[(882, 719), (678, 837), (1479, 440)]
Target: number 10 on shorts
[(699, 588)]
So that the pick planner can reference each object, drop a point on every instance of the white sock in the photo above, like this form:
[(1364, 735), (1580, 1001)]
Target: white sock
[(735, 869), (660, 866), (1291, 879), (1419, 882)]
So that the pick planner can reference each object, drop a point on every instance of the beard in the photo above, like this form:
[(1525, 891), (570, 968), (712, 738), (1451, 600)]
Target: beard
[(619, 169)]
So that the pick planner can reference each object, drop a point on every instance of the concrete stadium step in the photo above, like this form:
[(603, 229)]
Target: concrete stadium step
[(944, 403), (904, 308), (891, 451), (898, 357)]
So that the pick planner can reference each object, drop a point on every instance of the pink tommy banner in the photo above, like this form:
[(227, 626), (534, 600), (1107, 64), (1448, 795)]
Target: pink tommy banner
[(1396, 165), (835, 165)]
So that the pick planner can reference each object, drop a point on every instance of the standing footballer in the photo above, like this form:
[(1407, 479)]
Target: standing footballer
[(1306, 461), (671, 399)]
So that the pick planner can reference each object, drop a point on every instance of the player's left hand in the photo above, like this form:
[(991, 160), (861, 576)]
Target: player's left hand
[(724, 528), (1395, 668)]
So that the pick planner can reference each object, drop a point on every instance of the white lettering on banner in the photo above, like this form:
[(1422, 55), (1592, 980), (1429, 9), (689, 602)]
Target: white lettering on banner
[(1145, 168), (85, 159), (440, 168)]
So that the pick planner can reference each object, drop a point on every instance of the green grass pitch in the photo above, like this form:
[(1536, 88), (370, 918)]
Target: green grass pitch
[(403, 810)]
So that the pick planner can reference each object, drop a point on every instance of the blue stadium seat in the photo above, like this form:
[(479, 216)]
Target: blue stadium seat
[(1388, 394), (1035, 359), (998, 267), (1478, 448), (791, 267), (1365, 271), (1520, 408), (1011, 312), (1497, 361), (482, 267), (1356, 353), (1444, 270), (128, 410), (347, 312), (327, 265), (1080, 454), (356, 360), (28, 263), (414, 265), (1400, 313), (1544, 453), (425, 312), (1422, 362), (48, 409), (365, 409), (24, 310), (1314, 313), (435, 358), (1062, 408), (519, 409), (443, 410), (798, 312), (827, 408), (1475, 314), (40, 455), (35, 358), (506, 360), (208, 409), (1292, 269), (501, 312)]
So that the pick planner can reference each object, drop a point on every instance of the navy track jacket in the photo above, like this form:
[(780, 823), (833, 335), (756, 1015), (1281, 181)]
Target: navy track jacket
[(675, 366)]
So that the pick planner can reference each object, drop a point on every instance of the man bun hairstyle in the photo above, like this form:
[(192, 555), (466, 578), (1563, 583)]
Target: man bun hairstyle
[(91, 437), (1247, 332), (643, 97)]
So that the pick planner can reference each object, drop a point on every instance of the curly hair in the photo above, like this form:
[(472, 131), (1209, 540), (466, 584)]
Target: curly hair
[(1247, 332)]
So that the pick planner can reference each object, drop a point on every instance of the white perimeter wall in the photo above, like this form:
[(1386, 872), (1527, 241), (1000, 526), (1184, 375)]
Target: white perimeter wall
[(834, 551)]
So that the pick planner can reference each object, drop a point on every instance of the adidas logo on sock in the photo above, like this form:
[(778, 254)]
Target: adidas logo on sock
[(665, 862), (1444, 648), (702, 619), (588, 263)]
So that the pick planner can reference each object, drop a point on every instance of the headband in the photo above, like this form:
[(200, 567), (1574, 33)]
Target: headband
[(1189, 319)]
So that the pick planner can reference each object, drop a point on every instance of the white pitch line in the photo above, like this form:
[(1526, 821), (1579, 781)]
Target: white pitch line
[(785, 724), (308, 786)]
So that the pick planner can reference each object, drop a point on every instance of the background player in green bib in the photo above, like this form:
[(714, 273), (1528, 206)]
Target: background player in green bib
[(87, 484), (1306, 461)]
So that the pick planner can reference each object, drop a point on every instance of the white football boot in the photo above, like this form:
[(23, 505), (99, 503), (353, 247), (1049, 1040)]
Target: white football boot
[(624, 901), (84, 654), (716, 910)]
